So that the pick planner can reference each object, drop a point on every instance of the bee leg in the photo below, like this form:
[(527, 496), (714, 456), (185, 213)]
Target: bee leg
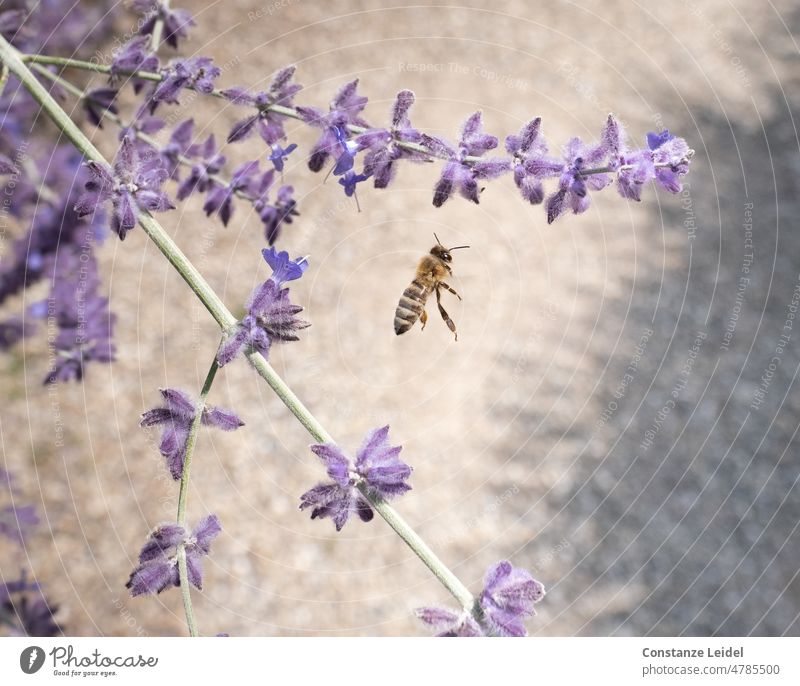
[(424, 319), (445, 316), (450, 288)]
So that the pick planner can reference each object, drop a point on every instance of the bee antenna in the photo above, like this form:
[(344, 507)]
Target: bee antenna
[(437, 238), (458, 247)]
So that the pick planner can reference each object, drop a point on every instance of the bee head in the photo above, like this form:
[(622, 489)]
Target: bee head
[(443, 253)]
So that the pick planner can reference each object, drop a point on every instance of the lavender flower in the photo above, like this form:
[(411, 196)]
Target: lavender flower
[(178, 146), (381, 145), (208, 163), (53, 226), (459, 174), (11, 21), (573, 187), (176, 21), (84, 322), (16, 521), (134, 56), (142, 124), (377, 466), (275, 216), (246, 180), (349, 182), (347, 155), (99, 101), (279, 155), (271, 316), (177, 416), (12, 331), (447, 623), (198, 73), (158, 559), (345, 109), (25, 610), (269, 123), (525, 146), (7, 166), (671, 156), (508, 597), (509, 594), (133, 186)]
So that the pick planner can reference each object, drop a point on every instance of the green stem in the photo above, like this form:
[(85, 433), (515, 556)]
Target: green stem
[(186, 593), (12, 58), (191, 441), (3, 78), (158, 29)]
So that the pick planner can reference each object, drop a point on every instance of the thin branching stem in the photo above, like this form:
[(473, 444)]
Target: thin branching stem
[(158, 28), (183, 496), (222, 315)]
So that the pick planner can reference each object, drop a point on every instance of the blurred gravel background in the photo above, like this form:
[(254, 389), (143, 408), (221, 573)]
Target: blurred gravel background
[(529, 441)]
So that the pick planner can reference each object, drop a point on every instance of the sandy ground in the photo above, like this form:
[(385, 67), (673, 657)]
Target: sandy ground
[(529, 436)]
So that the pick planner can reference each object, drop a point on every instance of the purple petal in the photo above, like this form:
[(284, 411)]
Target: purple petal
[(206, 531), (221, 419), (335, 461)]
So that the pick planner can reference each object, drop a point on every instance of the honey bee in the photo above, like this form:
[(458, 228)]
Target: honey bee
[(431, 272)]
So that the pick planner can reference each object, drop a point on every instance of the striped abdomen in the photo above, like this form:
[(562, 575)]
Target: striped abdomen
[(410, 306)]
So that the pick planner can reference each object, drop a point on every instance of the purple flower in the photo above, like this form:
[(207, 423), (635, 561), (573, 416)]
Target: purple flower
[(197, 73), (135, 55), (133, 186), (84, 322), (208, 163), (381, 145), (99, 101), (637, 169), (11, 21), (158, 559), (177, 415), (450, 624), (460, 174), (347, 156), (268, 122), (275, 216), (279, 155), (176, 21), (15, 521), (25, 610), (246, 180), (671, 157), (525, 146), (378, 467), (142, 123), (53, 226), (179, 145), (349, 182), (271, 316), (573, 187), (12, 331), (345, 109), (7, 166), (284, 269), (508, 597)]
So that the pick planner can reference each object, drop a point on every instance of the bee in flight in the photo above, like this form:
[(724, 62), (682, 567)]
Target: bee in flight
[(431, 272)]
